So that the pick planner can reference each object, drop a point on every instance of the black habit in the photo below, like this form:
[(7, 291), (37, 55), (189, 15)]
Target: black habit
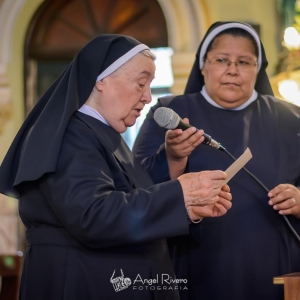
[(96, 224), (99, 213), (237, 255)]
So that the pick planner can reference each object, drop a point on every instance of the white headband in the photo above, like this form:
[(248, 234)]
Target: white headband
[(122, 60), (223, 27)]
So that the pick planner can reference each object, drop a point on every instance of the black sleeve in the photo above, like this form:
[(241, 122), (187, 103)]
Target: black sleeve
[(83, 196)]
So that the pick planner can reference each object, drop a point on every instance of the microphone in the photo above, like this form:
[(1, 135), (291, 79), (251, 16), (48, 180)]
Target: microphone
[(167, 118)]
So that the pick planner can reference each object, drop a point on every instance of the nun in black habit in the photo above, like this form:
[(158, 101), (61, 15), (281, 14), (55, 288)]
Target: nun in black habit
[(95, 223), (228, 94)]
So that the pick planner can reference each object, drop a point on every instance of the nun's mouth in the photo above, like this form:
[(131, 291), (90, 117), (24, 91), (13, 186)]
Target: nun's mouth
[(138, 108), (137, 112), (231, 84)]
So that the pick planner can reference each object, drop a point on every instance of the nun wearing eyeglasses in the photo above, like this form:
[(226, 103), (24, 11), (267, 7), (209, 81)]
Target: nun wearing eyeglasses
[(229, 96), (95, 222)]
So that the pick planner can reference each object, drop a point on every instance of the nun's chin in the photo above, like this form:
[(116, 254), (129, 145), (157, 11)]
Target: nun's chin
[(121, 125), (121, 128), (130, 120)]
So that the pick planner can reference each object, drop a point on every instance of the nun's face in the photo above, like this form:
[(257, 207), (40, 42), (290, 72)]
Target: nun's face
[(230, 88), (124, 93)]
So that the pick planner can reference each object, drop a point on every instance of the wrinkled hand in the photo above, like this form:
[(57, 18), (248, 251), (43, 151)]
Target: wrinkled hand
[(202, 188), (285, 198), (179, 144), (217, 209)]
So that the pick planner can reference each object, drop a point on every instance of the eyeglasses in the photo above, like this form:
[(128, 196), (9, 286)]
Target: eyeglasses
[(222, 64)]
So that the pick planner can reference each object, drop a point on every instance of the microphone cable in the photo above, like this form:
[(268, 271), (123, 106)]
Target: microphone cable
[(265, 188)]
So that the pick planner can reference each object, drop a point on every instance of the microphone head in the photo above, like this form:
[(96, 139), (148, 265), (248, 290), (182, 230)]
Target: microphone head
[(166, 118)]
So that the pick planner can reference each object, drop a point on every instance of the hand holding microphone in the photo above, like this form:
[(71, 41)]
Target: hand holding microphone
[(180, 144), (205, 193), (167, 118)]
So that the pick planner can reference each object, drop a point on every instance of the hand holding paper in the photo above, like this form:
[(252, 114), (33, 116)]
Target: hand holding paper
[(210, 207)]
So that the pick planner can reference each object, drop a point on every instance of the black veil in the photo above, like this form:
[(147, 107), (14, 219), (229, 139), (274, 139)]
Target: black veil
[(36, 147), (196, 79)]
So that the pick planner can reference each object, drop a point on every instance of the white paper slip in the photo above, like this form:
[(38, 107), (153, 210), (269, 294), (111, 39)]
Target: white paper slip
[(238, 164)]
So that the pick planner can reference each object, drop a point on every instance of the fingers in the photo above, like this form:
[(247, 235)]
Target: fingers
[(220, 210), (181, 143), (181, 135), (283, 192), (226, 188), (201, 197), (288, 203), (217, 209), (186, 120), (280, 193), (227, 204), (224, 204), (225, 195), (285, 199), (204, 188), (211, 183), (288, 207), (214, 175)]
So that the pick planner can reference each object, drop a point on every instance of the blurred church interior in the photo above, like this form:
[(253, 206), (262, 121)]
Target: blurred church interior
[(38, 38)]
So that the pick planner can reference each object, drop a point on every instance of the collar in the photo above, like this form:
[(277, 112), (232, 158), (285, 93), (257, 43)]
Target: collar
[(212, 102), (88, 110)]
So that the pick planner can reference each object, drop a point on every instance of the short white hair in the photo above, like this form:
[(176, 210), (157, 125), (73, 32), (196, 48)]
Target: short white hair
[(148, 53)]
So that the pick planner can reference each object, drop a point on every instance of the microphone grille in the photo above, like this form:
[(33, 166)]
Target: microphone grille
[(166, 117)]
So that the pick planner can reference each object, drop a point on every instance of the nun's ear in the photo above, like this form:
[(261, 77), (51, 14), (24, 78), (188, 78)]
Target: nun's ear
[(99, 85), (201, 70)]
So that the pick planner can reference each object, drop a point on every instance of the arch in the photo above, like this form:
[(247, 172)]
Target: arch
[(187, 22), (60, 28)]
